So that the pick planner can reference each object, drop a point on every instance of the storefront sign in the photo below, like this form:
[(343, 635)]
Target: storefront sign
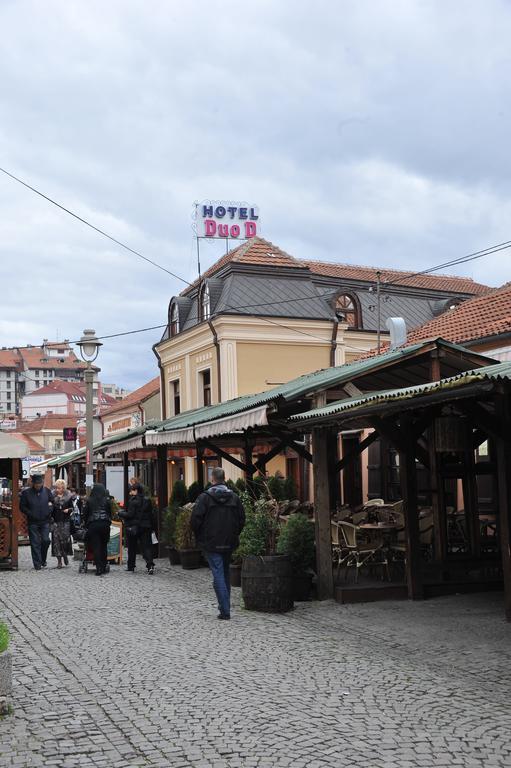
[(7, 424), (227, 220)]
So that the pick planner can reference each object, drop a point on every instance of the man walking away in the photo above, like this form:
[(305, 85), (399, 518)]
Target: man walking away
[(36, 503), (218, 518)]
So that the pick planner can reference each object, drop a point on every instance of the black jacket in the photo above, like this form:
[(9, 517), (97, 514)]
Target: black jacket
[(37, 505), (139, 512), (218, 518), (97, 516)]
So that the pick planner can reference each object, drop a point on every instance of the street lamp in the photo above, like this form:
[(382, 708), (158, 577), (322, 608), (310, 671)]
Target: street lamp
[(89, 349)]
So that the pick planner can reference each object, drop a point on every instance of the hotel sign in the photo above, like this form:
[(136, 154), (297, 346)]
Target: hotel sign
[(227, 220)]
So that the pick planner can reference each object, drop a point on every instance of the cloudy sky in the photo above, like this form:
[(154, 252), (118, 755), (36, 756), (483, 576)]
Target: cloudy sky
[(368, 131)]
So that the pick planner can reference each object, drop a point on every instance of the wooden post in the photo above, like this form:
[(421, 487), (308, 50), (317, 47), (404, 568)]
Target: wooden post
[(125, 465), (163, 488), (470, 499), (504, 489), (437, 499), (408, 477), (322, 482), (200, 465), (16, 513), (247, 456)]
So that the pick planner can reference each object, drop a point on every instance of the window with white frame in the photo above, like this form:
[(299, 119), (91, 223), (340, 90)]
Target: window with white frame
[(175, 397)]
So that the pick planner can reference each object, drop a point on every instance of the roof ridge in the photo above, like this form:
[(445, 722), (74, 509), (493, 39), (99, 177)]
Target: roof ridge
[(388, 269)]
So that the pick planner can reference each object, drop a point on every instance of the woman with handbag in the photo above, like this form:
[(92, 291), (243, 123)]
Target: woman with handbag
[(138, 519), (61, 545), (97, 516)]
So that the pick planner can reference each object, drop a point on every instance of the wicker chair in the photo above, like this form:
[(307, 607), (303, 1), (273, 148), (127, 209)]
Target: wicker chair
[(356, 554)]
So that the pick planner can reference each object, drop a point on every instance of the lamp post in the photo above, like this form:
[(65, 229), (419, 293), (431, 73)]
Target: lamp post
[(89, 349)]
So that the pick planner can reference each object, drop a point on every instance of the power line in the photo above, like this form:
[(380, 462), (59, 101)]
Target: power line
[(92, 226)]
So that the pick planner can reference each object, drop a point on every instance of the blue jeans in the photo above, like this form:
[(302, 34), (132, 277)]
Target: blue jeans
[(219, 564), (39, 535)]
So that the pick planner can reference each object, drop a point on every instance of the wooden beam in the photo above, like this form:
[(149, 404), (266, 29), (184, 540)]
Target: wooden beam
[(504, 495), (398, 437), (260, 464), (360, 448), (126, 484), (199, 466), (408, 477), (470, 501), (163, 486), (325, 583), (483, 419), (224, 455), (290, 443), (437, 499)]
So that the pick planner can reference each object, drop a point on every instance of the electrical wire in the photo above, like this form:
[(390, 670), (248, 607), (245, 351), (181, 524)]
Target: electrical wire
[(92, 226)]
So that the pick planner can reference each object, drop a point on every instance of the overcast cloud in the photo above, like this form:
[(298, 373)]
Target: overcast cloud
[(368, 131)]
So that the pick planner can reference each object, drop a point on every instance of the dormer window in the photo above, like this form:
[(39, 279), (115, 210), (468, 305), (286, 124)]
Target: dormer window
[(205, 303), (347, 310), (174, 320)]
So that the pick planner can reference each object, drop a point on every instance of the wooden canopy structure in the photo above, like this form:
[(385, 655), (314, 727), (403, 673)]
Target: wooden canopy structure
[(12, 451), (477, 405)]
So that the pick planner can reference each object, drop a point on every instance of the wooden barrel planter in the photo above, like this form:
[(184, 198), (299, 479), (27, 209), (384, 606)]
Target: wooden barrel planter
[(174, 556), (267, 583), (302, 587), (190, 558), (235, 574)]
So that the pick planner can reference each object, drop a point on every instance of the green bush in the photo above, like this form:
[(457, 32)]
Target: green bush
[(259, 535), (194, 491), (179, 494), (290, 489), (168, 528), (296, 540), (232, 487), (184, 536), (241, 485), (4, 637)]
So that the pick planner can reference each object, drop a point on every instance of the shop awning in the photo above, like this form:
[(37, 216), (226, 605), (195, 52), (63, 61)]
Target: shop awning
[(257, 417), (172, 437), (124, 445)]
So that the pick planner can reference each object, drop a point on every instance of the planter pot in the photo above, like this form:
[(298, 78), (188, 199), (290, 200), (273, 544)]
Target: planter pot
[(267, 583), (5, 681), (235, 574), (174, 556), (190, 558), (302, 586)]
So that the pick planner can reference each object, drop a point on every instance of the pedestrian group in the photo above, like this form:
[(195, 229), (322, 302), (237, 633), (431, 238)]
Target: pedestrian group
[(217, 520)]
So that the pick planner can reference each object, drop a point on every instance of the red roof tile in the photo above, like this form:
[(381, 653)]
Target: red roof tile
[(32, 445), (52, 421), (36, 358), (9, 358), (260, 251), (473, 319), (134, 398), (254, 251), (447, 283)]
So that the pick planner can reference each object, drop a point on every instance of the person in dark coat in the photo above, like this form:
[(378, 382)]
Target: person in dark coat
[(61, 545), (97, 516), (138, 518), (218, 518), (36, 502)]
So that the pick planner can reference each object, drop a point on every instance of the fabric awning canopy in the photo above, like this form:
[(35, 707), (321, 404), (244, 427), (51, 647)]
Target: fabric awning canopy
[(12, 448), (172, 437), (124, 445), (257, 417)]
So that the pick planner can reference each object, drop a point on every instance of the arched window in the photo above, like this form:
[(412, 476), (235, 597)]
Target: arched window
[(205, 303), (346, 309), (174, 320)]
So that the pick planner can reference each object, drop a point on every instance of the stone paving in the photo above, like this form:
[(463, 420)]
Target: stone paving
[(131, 670)]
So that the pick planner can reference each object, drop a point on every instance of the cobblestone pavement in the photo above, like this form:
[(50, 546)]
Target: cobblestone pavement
[(131, 670)]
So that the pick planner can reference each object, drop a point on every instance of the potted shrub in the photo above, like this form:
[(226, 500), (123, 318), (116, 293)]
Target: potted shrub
[(237, 555), (168, 534), (5, 670), (185, 539), (296, 540), (194, 491), (179, 495), (266, 576)]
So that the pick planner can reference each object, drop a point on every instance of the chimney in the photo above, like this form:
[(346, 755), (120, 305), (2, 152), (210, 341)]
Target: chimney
[(397, 328)]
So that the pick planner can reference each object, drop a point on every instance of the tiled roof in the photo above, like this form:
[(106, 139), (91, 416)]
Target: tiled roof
[(52, 421), (473, 319), (9, 358), (35, 358), (257, 250), (447, 283), (72, 389), (32, 445), (134, 398), (254, 251)]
